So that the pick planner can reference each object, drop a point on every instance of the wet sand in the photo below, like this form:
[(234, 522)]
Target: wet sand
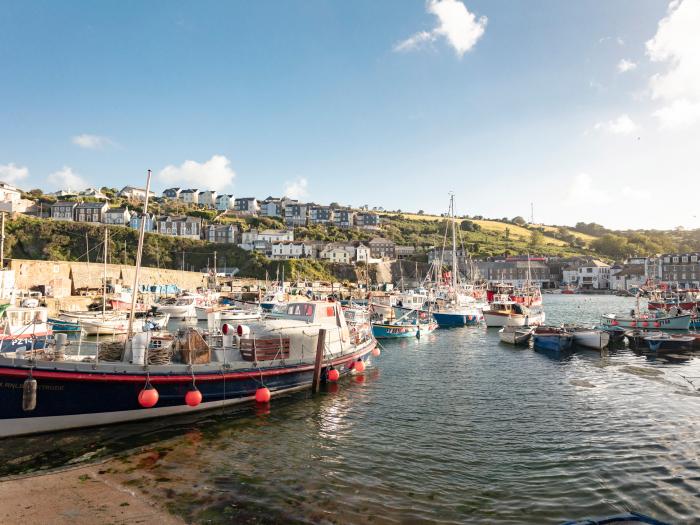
[(93, 494)]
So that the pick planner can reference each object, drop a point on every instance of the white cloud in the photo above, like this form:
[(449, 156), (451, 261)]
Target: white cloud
[(676, 43), (91, 141), (11, 173), (636, 194), (214, 174), (66, 179), (624, 65), (584, 192), (296, 189), (622, 125), (456, 24)]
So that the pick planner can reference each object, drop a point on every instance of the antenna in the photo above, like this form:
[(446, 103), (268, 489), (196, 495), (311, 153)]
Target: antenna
[(532, 213)]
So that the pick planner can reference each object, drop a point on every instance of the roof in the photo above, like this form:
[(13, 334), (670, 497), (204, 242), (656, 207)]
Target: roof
[(171, 189), (380, 240), (191, 190), (596, 264), (245, 199), (117, 210), (92, 205), (64, 203), (631, 269)]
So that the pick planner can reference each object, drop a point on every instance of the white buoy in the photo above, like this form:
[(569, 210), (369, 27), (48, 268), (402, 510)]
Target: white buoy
[(29, 394), (138, 348)]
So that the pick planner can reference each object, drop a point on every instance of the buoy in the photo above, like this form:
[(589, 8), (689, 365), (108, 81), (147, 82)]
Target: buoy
[(262, 395), (376, 352), (645, 324), (657, 324), (359, 366), (148, 397), (29, 394), (333, 375), (633, 324), (193, 397)]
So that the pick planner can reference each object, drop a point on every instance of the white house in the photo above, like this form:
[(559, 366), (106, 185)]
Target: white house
[(208, 198), (133, 193), (594, 275), (9, 193), (190, 196), (276, 235), (224, 202), (338, 252), (117, 216), (627, 277), (570, 274)]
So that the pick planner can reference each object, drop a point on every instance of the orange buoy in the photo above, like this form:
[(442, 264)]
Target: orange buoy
[(262, 395), (333, 375), (376, 352), (359, 366), (193, 397), (148, 397)]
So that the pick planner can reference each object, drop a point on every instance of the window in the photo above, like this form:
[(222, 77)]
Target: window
[(675, 259), (694, 258)]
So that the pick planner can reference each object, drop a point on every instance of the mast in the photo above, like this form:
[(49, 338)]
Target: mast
[(139, 251), (454, 243), (104, 278)]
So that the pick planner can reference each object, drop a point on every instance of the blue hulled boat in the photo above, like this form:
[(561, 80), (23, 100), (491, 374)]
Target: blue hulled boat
[(393, 330), (628, 517), (552, 338), (455, 318)]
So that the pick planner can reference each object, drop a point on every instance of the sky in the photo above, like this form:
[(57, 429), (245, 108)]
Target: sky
[(588, 110)]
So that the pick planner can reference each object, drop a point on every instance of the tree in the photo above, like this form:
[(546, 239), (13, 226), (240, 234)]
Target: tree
[(614, 246), (519, 221), (421, 212), (536, 239), (506, 233)]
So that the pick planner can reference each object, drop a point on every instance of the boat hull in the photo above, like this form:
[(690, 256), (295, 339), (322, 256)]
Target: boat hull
[(680, 322), (455, 319), (394, 331), (553, 342), (16, 343), (595, 339), (71, 399)]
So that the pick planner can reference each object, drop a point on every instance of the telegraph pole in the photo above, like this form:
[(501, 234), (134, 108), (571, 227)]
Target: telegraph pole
[(2, 243)]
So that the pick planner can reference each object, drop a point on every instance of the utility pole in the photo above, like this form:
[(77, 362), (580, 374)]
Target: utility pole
[(532, 213), (2, 243), (214, 264), (183, 260)]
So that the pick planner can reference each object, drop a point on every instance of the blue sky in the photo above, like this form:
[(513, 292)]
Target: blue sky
[(391, 103)]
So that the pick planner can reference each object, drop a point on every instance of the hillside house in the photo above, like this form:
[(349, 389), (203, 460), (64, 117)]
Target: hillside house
[(343, 218), (190, 196), (221, 233), (63, 210), (134, 193), (120, 216), (320, 214), (208, 198), (150, 222), (188, 227), (366, 220), (225, 202), (295, 214), (381, 248), (172, 193), (246, 205), (90, 211), (681, 268)]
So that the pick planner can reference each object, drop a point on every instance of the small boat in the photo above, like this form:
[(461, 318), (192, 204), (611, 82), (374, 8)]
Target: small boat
[(515, 335), (667, 342), (232, 313), (620, 519), (182, 307), (679, 322), (23, 328), (590, 338), (505, 312), (552, 338), (109, 326), (616, 333), (635, 338), (58, 325), (412, 324), (454, 317), (156, 322)]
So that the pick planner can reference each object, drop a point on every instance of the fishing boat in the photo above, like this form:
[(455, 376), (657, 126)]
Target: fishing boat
[(590, 338), (616, 333), (505, 312), (181, 307), (23, 328), (552, 338), (635, 338), (412, 324), (122, 302), (49, 392), (663, 322), (228, 313), (667, 342), (515, 335)]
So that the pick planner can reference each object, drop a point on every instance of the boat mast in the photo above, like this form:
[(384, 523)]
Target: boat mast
[(104, 279), (454, 243), (139, 251)]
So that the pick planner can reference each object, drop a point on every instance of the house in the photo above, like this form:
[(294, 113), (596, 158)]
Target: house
[(247, 205), (381, 248), (627, 277), (190, 196), (93, 193), (90, 211), (295, 214), (272, 207), (150, 222), (208, 198), (363, 253), (292, 250), (221, 233), (338, 252), (515, 270), (189, 227), (172, 193), (224, 202), (682, 269), (64, 193), (276, 235), (594, 275), (320, 214), (63, 210), (570, 274), (367, 220), (343, 218), (403, 252), (117, 216), (134, 193), (8, 193)]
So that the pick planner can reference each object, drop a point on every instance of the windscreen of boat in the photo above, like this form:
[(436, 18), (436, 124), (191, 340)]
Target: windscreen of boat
[(301, 311)]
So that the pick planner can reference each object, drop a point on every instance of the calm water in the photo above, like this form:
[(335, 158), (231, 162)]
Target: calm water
[(454, 428)]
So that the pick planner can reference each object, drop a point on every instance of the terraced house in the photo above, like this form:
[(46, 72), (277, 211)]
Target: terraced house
[(90, 211), (681, 268)]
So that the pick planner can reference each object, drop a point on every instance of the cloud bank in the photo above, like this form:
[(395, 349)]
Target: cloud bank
[(88, 141), (216, 174), (297, 189), (66, 179), (12, 173)]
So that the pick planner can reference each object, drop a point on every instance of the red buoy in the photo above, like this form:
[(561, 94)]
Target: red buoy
[(359, 366), (645, 324), (333, 375), (376, 352), (193, 397), (262, 395), (633, 324), (657, 324), (148, 397), (614, 323)]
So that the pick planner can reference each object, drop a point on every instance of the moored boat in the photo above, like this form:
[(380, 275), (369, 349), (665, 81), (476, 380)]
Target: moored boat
[(679, 322), (505, 312), (515, 335), (635, 338), (590, 338), (552, 338), (667, 342), (23, 328)]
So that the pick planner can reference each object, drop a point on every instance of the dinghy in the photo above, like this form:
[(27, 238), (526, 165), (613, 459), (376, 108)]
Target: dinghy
[(515, 335)]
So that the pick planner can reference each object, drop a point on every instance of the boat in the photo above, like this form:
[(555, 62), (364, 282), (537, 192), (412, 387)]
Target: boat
[(412, 324), (505, 312), (590, 338), (667, 342), (277, 355), (616, 333), (23, 328), (58, 325), (515, 335), (109, 326), (635, 338), (228, 313), (663, 322), (552, 338), (620, 519), (181, 307), (122, 302)]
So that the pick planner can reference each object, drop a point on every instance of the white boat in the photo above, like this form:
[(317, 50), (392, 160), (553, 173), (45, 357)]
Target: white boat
[(664, 322), (505, 312), (23, 328), (590, 338), (240, 314), (184, 306), (109, 326), (515, 335)]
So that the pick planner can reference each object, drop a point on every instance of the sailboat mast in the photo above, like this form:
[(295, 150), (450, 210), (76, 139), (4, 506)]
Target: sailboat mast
[(454, 243), (139, 251), (104, 279)]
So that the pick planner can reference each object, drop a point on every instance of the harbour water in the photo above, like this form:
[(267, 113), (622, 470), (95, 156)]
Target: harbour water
[(453, 428)]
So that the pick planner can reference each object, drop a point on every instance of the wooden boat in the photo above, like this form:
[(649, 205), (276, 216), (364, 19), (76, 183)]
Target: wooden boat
[(23, 328), (590, 338), (552, 338), (412, 324), (667, 342), (515, 335), (182, 307), (679, 322), (635, 338), (504, 312), (109, 326)]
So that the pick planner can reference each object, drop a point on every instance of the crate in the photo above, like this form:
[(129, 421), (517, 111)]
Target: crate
[(264, 349)]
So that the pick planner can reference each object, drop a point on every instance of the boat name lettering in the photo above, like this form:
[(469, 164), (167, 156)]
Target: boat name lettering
[(18, 386)]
